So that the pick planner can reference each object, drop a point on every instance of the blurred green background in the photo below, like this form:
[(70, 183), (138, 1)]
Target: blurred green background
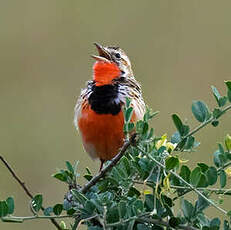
[(178, 49)]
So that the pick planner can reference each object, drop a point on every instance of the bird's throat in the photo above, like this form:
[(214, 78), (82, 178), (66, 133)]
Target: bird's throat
[(105, 72)]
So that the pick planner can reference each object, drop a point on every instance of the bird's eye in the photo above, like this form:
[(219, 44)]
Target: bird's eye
[(117, 55)]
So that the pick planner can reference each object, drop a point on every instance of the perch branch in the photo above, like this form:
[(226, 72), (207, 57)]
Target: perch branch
[(106, 169), (202, 125)]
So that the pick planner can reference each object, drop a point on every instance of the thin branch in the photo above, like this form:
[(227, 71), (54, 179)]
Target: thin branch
[(143, 219), (22, 184), (24, 218), (86, 219), (164, 223), (224, 166), (106, 169), (203, 125), (16, 177), (184, 181), (215, 190)]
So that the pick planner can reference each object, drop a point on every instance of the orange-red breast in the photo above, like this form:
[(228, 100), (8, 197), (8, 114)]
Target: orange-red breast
[(99, 109)]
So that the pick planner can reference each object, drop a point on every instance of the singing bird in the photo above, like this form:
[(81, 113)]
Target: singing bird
[(99, 109)]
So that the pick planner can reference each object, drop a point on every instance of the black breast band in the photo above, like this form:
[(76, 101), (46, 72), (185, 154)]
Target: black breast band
[(104, 99)]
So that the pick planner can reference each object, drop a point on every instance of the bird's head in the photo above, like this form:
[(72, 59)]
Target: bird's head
[(111, 61)]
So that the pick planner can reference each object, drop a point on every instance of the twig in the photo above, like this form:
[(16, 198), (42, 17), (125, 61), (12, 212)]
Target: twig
[(86, 219), (103, 172), (143, 219), (164, 223), (22, 184), (16, 177), (203, 125), (215, 190), (24, 218), (224, 166)]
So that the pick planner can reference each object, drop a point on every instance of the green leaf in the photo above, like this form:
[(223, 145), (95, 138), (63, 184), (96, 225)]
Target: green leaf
[(203, 181), (200, 111), (131, 225), (218, 159), (176, 138), (89, 207), (229, 213), (36, 202), (189, 143), (150, 135), (125, 164), (130, 126), (228, 142), (220, 100), (112, 215), (195, 176), (187, 209), (201, 204), (3, 208), (128, 114), (88, 177), (128, 102), (171, 162), (71, 211), (78, 196), (215, 123), (76, 167), (10, 204), (149, 115), (212, 175), (145, 128), (67, 203), (47, 211), (204, 221), (60, 176), (226, 225), (222, 178), (216, 93), (138, 207), (215, 223), (139, 126), (133, 192), (221, 149), (228, 84), (69, 167), (203, 167), (57, 209), (174, 222), (167, 201), (122, 209), (185, 173), (178, 123), (217, 113), (142, 227), (149, 202)]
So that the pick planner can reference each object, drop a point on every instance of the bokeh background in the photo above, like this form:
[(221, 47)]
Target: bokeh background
[(178, 49)]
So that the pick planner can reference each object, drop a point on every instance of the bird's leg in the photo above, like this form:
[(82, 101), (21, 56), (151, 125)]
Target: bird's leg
[(101, 165)]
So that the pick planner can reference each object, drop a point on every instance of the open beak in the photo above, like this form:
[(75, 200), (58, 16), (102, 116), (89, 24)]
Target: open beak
[(104, 55)]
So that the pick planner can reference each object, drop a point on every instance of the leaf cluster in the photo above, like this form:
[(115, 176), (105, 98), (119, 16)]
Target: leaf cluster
[(146, 187)]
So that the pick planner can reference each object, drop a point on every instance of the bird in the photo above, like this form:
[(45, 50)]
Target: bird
[(98, 114)]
